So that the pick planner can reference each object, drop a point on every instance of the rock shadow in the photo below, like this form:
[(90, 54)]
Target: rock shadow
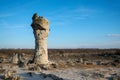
[(39, 76), (1, 77)]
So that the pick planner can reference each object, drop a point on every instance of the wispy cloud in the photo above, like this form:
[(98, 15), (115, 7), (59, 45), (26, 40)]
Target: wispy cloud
[(5, 25), (69, 15), (6, 15), (76, 12), (113, 35), (111, 44), (13, 26)]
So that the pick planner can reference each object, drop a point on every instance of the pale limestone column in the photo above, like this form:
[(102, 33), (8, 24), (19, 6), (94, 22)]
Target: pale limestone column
[(15, 58), (40, 27)]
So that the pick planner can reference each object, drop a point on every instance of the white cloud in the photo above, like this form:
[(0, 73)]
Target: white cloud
[(77, 13), (6, 15), (111, 44), (65, 16), (6, 25), (11, 26), (113, 35)]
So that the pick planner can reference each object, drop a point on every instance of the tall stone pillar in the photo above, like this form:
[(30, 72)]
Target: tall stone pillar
[(40, 27)]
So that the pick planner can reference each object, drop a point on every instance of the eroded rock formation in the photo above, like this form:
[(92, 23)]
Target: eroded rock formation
[(15, 58), (40, 28)]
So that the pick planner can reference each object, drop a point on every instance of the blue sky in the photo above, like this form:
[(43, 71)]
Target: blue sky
[(73, 23)]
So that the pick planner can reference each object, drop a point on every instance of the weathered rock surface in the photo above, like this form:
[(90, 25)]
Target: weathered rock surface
[(35, 68), (9, 75), (40, 27), (15, 58)]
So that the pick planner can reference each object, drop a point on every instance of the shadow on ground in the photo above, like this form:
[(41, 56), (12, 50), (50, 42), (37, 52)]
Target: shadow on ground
[(40, 76)]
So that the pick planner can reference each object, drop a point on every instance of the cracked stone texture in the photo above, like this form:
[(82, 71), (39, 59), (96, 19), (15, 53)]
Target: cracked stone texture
[(40, 27)]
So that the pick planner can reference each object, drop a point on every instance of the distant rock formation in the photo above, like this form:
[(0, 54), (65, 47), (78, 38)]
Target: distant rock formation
[(40, 28), (15, 58)]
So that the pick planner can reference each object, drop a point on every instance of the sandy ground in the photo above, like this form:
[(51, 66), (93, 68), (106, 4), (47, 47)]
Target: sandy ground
[(70, 73), (104, 66)]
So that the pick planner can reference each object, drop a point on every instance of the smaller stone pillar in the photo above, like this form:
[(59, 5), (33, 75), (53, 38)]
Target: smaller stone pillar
[(15, 58)]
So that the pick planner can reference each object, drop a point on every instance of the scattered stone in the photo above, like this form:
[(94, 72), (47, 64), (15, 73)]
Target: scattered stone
[(1, 59), (65, 66), (7, 74), (1, 67), (98, 62), (98, 75), (14, 71), (2, 71), (88, 63), (68, 61), (55, 65), (35, 68), (46, 67), (72, 64), (23, 54), (115, 77), (81, 60), (16, 77), (23, 64)]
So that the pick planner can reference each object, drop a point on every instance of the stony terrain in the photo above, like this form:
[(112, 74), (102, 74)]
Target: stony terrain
[(66, 64), (63, 65)]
